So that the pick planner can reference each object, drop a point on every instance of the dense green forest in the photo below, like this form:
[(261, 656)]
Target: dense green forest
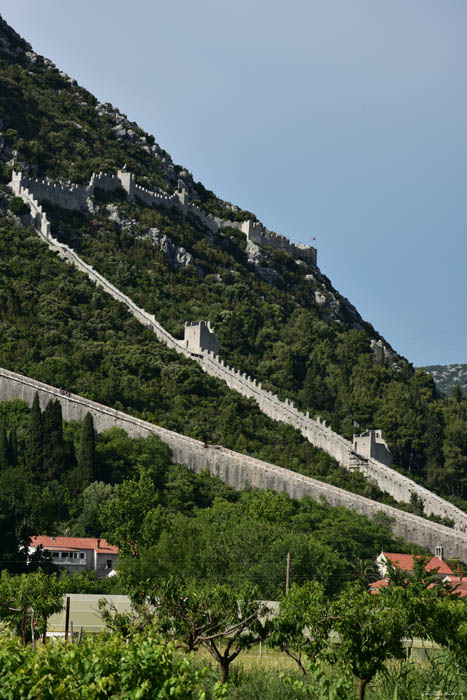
[(63, 478), (198, 558), (276, 318)]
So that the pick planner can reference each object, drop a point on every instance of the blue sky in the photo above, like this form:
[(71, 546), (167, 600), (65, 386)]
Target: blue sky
[(328, 118)]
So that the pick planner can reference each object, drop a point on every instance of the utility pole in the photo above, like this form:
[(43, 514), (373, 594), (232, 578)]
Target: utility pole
[(67, 617), (287, 574)]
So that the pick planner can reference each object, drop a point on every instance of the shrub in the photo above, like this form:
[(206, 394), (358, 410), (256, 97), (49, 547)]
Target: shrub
[(18, 207)]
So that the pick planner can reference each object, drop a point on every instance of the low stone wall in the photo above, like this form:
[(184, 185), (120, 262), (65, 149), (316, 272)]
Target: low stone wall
[(233, 468), (320, 435)]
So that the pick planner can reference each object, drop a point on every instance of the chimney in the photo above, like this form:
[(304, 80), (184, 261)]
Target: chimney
[(98, 543), (439, 552)]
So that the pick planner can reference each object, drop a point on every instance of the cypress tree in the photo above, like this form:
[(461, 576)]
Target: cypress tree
[(4, 462), (53, 443), (87, 451), (34, 452), (13, 448)]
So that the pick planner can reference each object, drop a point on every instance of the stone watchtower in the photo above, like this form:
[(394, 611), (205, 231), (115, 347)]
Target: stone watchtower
[(199, 337), (370, 444)]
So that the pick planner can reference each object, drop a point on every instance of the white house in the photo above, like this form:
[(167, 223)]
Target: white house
[(78, 553)]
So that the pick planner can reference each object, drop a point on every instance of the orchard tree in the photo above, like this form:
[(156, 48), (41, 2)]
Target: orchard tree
[(369, 632), (28, 600), (224, 620), (303, 625)]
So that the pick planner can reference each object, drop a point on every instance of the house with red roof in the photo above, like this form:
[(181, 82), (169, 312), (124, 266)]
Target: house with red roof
[(78, 553), (406, 563)]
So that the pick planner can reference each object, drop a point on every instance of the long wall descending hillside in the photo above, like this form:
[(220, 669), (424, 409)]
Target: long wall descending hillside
[(396, 484), (233, 468)]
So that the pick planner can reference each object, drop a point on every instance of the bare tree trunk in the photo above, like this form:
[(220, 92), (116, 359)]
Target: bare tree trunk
[(361, 686), (224, 677)]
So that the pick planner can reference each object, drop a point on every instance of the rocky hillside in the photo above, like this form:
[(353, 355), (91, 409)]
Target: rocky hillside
[(448, 376), (277, 317)]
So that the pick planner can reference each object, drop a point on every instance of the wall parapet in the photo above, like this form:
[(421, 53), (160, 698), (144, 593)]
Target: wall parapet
[(316, 431), (234, 468), (72, 196)]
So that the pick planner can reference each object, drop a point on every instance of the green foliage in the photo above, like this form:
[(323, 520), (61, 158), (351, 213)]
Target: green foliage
[(303, 625), (219, 536), (59, 328), (87, 452), (18, 207), (103, 666), (27, 600)]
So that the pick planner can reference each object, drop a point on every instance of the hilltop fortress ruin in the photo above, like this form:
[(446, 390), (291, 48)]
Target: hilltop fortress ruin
[(367, 453)]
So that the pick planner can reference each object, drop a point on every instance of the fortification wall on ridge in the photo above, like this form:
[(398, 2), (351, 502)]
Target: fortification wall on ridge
[(74, 197), (320, 435), (233, 468)]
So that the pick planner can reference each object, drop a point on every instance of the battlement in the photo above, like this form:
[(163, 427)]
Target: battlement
[(72, 196)]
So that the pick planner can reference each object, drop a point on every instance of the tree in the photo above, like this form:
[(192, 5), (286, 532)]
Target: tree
[(13, 448), (303, 625), (4, 456), (35, 453), (18, 207), (237, 621), (369, 630), (224, 620), (94, 497), (28, 600), (86, 467), (54, 458)]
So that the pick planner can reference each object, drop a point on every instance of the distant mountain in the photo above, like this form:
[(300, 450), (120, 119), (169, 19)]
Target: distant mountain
[(447, 376)]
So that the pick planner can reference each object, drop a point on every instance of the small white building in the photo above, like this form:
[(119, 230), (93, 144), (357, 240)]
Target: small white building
[(78, 553)]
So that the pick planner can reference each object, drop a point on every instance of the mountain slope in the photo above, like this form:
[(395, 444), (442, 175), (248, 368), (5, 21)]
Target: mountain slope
[(448, 376), (277, 318)]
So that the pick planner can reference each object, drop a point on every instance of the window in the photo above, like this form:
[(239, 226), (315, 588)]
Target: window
[(108, 564), (82, 555), (55, 555), (64, 555)]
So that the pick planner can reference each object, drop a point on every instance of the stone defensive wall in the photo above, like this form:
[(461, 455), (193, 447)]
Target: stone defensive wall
[(72, 196), (257, 233), (235, 469), (316, 431)]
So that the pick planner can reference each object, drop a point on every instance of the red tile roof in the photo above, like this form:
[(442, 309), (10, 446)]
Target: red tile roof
[(98, 544), (405, 562), (458, 584), (376, 585)]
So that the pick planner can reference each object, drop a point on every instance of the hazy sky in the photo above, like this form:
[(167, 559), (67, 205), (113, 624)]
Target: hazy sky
[(338, 119)]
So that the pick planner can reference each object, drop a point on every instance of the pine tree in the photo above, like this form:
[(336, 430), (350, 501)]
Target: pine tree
[(53, 443), (87, 451), (34, 452), (4, 462)]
